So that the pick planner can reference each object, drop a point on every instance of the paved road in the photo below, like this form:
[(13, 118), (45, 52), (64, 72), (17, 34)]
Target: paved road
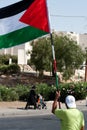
[(30, 123), (47, 122)]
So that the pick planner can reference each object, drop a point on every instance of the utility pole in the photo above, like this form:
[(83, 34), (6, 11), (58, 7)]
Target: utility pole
[(86, 66), (86, 71)]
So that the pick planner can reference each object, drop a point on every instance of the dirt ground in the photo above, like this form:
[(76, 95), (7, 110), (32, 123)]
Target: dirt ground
[(14, 104), (25, 79)]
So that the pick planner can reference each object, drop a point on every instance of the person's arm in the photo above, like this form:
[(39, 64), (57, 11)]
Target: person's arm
[(54, 105)]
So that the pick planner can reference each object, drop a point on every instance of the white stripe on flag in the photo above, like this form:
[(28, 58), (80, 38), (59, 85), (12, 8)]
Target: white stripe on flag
[(11, 24)]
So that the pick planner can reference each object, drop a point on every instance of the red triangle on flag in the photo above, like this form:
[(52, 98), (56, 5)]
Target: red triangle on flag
[(37, 15)]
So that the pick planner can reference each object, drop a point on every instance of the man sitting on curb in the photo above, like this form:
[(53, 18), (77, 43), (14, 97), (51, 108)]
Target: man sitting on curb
[(71, 118)]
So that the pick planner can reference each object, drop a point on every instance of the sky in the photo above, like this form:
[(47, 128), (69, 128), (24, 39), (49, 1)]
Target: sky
[(69, 15), (73, 12)]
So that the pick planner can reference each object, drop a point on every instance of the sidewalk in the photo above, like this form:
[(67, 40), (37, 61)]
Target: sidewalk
[(17, 109)]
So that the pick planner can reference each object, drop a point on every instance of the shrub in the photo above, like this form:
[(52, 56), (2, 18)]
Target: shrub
[(45, 90), (10, 69), (4, 59), (13, 69), (7, 94), (3, 69), (78, 90), (20, 92), (13, 95)]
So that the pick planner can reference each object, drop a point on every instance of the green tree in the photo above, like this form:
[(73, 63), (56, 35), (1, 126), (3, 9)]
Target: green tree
[(69, 55), (41, 55)]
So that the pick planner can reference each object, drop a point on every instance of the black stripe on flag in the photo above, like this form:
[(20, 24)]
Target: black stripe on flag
[(15, 8)]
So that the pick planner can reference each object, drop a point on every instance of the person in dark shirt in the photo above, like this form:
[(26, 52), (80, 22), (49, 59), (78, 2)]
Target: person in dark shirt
[(32, 99)]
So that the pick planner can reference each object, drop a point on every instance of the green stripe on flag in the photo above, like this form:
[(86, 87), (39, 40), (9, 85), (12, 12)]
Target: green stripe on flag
[(20, 36)]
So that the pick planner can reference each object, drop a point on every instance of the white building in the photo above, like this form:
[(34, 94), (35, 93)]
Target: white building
[(20, 50), (83, 41)]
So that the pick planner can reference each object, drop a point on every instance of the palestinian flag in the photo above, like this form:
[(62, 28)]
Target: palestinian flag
[(14, 32)]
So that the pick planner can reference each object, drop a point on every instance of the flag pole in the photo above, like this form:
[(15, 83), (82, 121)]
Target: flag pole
[(55, 66), (53, 51), (54, 61)]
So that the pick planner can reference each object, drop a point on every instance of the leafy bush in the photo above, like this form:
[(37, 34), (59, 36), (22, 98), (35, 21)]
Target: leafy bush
[(4, 59), (10, 69), (3, 69), (46, 91), (13, 94), (78, 90), (20, 92), (7, 94), (13, 69)]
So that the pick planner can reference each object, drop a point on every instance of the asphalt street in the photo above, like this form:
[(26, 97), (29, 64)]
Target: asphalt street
[(47, 122)]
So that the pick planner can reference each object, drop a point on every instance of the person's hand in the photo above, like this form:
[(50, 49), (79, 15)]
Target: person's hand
[(54, 105), (57, 96)]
